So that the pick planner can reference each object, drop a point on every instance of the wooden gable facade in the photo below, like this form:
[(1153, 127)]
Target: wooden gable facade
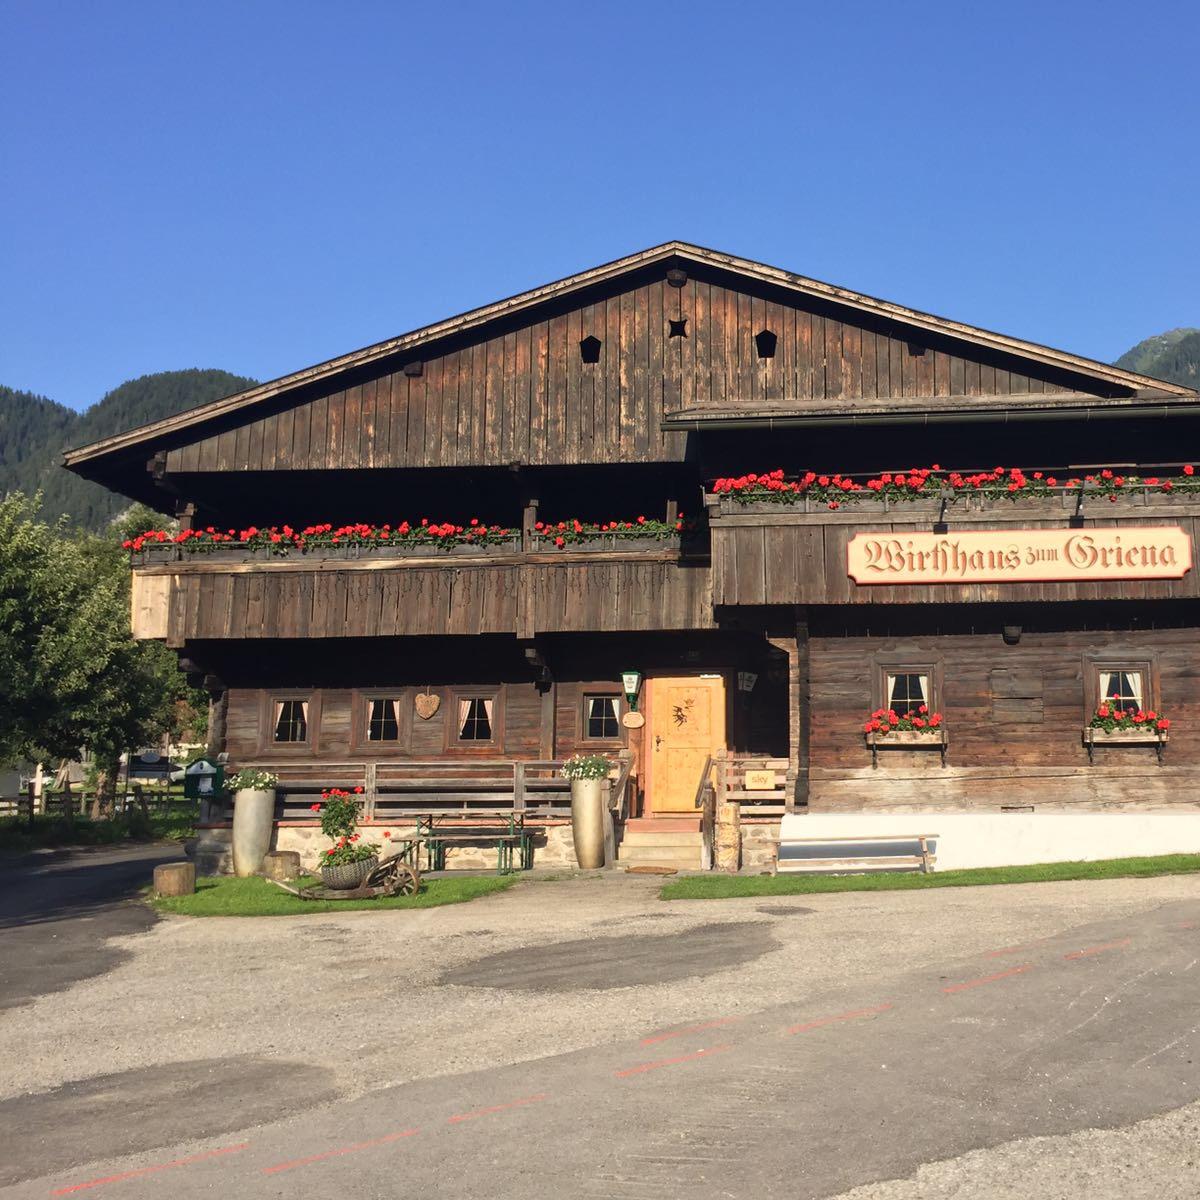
[(624, 391)]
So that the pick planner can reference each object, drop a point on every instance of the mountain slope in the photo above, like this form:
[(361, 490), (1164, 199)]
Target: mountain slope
[(1174, 356), (34, 432)]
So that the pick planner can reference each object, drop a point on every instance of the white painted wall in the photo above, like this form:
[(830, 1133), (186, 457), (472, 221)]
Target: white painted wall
[(1014, 839)]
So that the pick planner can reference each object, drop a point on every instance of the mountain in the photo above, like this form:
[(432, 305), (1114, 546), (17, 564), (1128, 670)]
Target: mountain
[(1174, 356), (34, 431)]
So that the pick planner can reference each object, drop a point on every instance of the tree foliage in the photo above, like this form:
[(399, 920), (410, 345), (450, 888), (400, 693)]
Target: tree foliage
[(71, 675), (34, 431), (1174, 356)]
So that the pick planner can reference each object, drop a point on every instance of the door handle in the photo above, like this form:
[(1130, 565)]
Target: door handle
[(658, 741)]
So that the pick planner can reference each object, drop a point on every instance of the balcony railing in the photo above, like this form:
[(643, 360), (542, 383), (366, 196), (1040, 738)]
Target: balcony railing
[(399, 791)]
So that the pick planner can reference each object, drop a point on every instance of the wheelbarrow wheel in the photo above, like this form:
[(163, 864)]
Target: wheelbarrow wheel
[(406, 881)]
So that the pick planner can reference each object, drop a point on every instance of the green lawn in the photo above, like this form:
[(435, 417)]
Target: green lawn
[(18, 836), (726, 887), (228, 896)]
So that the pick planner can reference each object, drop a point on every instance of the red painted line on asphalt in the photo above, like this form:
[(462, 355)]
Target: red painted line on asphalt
[(846, 1016), (179, 1162), (340, 1151), (1088, 951), (663, 1037), (495, 1108), (642, 1068), (1006, 950), (974, 983)]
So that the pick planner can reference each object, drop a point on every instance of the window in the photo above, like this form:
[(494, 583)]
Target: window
[(907, 689), (600, 718), (1126, 688), (475, 715), (383, 719), (290, 721)]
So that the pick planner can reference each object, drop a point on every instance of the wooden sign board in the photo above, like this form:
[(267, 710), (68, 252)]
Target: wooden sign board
[(761, 781), (1020, 555)]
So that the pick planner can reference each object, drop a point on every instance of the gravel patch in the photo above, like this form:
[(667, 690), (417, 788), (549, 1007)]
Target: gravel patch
[(1155, 1159)]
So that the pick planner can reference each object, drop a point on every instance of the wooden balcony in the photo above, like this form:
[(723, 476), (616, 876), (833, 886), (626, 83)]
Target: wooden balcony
[(766, 552), (232, 592)]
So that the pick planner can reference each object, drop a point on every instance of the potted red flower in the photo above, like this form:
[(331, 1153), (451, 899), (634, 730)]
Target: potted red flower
[(1114, 723), (348, 862), (915, 729)]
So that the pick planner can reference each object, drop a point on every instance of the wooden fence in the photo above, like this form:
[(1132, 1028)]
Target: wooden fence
[(400, 790)]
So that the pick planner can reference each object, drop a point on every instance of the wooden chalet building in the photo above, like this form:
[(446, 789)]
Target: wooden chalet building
[(769, 620)]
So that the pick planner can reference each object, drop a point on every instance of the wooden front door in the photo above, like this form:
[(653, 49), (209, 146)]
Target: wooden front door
[(687, 725)]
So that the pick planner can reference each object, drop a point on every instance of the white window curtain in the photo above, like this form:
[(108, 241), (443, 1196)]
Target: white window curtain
[(291, 720), (907, 690), (475, 719), (1124, 686)]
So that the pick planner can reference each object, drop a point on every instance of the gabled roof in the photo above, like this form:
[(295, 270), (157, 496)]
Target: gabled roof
[(675, 250)]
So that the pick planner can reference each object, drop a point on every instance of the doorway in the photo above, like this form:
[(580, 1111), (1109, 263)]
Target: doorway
[(686, 723)]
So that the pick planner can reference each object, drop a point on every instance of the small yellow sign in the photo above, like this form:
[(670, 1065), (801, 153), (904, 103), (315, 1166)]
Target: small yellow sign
[(761, 781)]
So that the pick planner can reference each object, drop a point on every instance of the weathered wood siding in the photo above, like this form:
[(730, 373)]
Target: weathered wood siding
[(530, 726), (220, 601), (524, 395), (1005, 748), (782, 556)]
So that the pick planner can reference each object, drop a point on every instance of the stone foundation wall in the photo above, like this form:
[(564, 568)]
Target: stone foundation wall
[(760, 844), (553, 846)]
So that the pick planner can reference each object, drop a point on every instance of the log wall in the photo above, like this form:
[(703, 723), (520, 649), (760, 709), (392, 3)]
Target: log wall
[(1014, 715)]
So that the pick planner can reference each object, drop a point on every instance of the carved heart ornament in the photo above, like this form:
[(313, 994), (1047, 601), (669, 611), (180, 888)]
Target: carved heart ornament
[(426, 704)]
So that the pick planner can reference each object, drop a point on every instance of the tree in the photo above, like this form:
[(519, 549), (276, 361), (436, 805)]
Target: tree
[(71, 674)]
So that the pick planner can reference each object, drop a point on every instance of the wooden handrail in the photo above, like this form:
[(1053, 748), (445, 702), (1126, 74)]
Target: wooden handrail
[(621, 785), (705, 771)]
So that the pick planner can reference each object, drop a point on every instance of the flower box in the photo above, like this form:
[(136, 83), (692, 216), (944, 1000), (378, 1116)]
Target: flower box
[(607, 543), (238, 552), (1093, 737), (909, 739)]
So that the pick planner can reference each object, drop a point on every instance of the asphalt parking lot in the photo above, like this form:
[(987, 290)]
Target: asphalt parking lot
[(582, 1033)]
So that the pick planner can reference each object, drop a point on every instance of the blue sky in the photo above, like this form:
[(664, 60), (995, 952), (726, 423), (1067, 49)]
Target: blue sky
[(260, 185)]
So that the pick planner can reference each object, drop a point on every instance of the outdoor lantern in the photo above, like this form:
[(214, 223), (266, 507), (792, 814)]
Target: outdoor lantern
[(631, 681), (203, 779)]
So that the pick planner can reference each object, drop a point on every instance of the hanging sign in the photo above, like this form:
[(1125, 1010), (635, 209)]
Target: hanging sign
[(1020, 555)]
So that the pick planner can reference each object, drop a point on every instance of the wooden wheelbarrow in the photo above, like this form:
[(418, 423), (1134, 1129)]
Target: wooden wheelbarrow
[(393, 877)]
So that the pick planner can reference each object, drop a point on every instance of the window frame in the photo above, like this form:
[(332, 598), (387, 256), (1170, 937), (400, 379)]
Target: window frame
[(494, 693), (908, 664), (266, 722), (600, 693), (361, 716), (1138, 661)]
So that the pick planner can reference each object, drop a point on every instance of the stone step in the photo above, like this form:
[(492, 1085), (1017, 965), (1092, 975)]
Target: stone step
[(638, 838), (660, 856), (689, 824)]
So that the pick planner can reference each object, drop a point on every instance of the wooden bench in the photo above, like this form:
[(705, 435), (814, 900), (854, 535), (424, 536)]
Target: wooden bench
[(440, 832), (858, 855)]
